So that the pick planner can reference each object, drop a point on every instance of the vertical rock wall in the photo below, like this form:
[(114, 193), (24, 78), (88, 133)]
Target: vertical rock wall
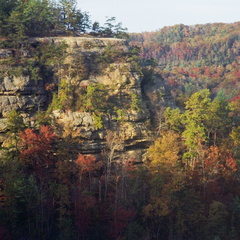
[(126, 113)]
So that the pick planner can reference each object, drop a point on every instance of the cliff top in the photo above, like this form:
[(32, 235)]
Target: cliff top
[(73, 41)]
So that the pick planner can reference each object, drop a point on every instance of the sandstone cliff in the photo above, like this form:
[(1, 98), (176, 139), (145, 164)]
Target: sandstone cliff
[(102, 95)]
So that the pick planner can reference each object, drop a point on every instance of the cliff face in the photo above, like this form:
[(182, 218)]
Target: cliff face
[(101, 96)]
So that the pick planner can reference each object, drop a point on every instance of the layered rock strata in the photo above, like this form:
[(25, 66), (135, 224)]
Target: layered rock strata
[(128, 118)]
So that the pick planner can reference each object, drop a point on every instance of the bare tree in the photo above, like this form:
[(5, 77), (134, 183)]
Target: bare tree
[(114, 143)]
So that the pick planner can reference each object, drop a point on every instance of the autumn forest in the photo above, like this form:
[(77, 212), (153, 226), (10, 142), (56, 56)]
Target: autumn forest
[(184, 183)]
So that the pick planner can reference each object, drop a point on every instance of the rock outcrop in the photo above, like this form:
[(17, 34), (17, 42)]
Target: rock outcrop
[(127, 113)]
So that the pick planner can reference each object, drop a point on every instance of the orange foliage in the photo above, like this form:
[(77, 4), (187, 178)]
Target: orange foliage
[(87, 163), (219, 162), (50, 86)]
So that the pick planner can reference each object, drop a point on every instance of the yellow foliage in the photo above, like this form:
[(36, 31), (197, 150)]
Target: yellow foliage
[(165, 151), (166, 176), (157, 207)]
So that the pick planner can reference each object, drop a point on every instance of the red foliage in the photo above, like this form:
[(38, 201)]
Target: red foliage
[(220, 162), (130, 167), (235, 99), (36, 146), (220, 178), (172, 83), (237, 74), (120, 219), (87, 163)]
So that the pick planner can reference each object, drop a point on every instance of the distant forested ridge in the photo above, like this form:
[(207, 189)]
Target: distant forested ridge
[(191, 58)]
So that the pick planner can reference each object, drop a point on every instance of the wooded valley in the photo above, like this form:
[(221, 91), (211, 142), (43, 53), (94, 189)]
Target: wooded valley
[(108, 135)]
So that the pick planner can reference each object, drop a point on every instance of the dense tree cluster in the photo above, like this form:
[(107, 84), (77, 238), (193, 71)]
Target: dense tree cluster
[(191, 58), (20, 18), (188, 188), (47, 192), (194, 171), (202, 44)]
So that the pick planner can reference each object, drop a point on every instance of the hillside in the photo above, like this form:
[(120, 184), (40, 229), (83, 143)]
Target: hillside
[(109, 139), (68, 106), (191, 58)]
